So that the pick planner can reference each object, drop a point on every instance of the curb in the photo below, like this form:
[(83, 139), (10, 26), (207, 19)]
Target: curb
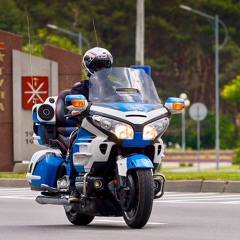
[(202, 186), (170, 186), (14, 182)]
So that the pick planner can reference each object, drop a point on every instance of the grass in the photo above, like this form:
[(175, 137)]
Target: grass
[(229, 173), (224, 176), (12, 175)]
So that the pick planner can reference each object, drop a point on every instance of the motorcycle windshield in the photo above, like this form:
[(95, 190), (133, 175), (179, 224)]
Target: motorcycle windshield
[(122, 85)]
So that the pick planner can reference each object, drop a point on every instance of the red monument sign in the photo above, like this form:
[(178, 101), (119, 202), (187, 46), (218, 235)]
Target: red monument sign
[(34, 90)]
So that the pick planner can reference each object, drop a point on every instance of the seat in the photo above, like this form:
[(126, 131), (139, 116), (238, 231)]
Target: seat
[(64, 127)]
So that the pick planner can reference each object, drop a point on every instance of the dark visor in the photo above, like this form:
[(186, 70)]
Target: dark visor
[(100, 64)]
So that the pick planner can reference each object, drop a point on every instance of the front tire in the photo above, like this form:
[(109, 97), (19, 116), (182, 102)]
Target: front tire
[(78, 219), (138, 216)]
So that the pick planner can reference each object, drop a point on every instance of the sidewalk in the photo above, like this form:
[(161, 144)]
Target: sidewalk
[(202, 186)]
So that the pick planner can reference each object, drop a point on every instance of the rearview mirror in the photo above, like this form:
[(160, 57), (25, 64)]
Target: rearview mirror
[(174, 105), (76, 102)]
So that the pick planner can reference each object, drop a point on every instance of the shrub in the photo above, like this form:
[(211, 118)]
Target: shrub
[(236, 157), (182, 165)]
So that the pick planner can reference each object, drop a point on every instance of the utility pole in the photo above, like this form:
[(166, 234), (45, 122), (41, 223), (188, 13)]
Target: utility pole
[(139, 54), (215, 23)]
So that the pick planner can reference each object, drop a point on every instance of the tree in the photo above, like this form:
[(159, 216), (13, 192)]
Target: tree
[(179, 45), (231, 93)]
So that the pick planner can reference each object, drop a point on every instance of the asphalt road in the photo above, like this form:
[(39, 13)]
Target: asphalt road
[(175, 216)]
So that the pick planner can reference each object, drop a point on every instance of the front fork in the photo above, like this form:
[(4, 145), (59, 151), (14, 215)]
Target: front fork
[(123, 186)]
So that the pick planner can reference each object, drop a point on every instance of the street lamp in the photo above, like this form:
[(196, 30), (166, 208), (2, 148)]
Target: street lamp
[(187, 104), (77, 36), (216, 22), (139, 51)]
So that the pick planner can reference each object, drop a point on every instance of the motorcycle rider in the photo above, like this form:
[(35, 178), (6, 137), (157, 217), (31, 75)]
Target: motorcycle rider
[(94, 60)]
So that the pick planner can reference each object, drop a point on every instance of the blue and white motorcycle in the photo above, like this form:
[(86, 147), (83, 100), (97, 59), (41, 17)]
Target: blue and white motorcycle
[(117, 151)]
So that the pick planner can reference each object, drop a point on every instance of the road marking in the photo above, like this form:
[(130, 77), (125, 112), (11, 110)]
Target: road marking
[(169, 197), (118, 221), (17, 193), (208, 198)]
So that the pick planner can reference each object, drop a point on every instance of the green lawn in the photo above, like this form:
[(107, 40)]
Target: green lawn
[(230, 173), (225, 176), (12, 175)]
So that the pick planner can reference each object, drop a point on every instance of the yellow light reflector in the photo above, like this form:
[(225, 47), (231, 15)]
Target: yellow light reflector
[(78, 103), (178, 106)]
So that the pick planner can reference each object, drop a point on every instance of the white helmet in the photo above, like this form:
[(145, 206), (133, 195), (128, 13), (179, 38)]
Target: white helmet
[(95, 59)]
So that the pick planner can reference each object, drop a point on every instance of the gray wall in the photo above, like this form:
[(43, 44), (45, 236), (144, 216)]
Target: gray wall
[(26, 65)]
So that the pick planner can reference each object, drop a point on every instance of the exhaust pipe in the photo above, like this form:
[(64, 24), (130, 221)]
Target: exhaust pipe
[(52, 199)]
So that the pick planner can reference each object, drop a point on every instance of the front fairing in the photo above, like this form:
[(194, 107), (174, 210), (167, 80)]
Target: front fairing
[(126, 95), (119, 96)]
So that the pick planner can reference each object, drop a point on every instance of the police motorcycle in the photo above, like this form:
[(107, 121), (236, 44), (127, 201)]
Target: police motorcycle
[(117, 151)]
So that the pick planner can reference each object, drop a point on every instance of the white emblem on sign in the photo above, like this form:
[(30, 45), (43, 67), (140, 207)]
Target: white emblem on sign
[(35, 92)]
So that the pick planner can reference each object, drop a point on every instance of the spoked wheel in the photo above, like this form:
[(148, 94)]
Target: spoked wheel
[(78, 219), (141, 210)]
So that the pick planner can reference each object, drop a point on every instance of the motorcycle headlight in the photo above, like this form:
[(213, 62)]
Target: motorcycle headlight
[(156, 128), (149, 132), (121, 130)]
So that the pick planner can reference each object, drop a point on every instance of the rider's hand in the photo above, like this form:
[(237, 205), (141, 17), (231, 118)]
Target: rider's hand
[(75, 112)]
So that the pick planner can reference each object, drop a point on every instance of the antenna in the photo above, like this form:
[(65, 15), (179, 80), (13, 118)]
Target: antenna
[(30, 53), (95, 33)]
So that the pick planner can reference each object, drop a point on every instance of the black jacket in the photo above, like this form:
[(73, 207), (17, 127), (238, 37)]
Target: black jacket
[(81, 88)]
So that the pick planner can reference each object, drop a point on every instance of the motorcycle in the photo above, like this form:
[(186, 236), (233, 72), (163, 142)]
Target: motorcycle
[(117, 151)]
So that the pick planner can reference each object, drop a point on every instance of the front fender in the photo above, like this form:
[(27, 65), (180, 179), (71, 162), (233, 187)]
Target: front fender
[(132, 162)]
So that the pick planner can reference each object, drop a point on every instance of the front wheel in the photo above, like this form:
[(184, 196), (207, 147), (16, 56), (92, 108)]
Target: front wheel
[(139, 214), (78, 219)]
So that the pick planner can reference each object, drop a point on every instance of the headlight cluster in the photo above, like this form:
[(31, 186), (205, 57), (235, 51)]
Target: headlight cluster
[(125, 131), (153, 129), (121, 130)]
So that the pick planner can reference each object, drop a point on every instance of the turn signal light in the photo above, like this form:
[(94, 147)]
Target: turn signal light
[(178, 106), (78, 103)]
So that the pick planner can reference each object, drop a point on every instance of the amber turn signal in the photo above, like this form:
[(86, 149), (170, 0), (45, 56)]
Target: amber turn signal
[(78, 103), (178, 106)]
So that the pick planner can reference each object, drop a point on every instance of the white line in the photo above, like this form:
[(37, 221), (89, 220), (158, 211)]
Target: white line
[(232, 202), (168, 194), (117, 221), (219, 197), (18, 197), (200, 202), (17, 193), (15, 190)]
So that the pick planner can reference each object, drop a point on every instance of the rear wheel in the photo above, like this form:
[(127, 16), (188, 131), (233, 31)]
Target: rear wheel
[(139, 214), (78, 219)]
